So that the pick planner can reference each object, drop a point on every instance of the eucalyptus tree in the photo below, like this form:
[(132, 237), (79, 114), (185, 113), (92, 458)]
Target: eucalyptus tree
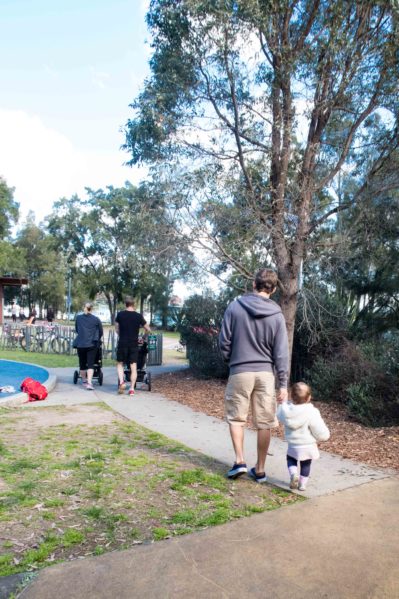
[(365, 270), (118, 239), (11, 260), (42, 264), (268, 102), (9, 209)]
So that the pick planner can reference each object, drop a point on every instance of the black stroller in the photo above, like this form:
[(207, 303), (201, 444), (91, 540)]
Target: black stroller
[(98, 373), (142, 375)]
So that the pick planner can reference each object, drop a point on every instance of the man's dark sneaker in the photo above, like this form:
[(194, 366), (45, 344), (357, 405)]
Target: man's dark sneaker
[(237, 470), (259, 477)]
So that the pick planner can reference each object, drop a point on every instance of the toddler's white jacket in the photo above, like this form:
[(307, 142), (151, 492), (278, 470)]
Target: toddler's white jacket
[(303, 423)]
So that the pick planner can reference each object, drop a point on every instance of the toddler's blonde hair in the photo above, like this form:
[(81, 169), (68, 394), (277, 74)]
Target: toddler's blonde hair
[(300, 393)]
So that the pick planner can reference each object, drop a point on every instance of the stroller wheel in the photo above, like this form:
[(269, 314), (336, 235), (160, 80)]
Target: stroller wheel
[(100, 378), (75, 377), (149, 381)]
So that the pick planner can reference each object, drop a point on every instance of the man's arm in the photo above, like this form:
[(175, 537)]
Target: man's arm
[(282, 395), (116, 324), (146, 328), (225, 336)]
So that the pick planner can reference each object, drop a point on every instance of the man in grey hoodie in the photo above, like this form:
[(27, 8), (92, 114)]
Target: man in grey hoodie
[(253, 340)]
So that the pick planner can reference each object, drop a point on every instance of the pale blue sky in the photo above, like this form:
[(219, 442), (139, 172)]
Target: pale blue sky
[(68, 71)]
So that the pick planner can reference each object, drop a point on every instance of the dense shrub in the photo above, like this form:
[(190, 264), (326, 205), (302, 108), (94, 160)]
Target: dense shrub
[(321, 327), (364, 378), (199, 329)]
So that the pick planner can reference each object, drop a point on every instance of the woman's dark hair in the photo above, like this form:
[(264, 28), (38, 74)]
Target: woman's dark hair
[(266, 280)]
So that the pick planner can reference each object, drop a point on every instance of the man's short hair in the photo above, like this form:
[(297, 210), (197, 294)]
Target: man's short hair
[(266, 280), (129, 302), (89, 306)]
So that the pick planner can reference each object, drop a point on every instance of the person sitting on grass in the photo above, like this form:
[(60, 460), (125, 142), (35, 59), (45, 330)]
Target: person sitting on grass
[(304, 426)]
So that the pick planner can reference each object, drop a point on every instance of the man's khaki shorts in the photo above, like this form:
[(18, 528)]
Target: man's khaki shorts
[(251, 388)]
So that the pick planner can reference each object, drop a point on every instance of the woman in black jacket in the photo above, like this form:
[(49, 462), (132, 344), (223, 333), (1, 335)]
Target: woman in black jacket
[(87, 342)]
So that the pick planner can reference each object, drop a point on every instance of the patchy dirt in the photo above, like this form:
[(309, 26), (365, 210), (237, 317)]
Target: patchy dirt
[(3, 485), (80, 480), (85, 414), (377, 447), (25, 424)]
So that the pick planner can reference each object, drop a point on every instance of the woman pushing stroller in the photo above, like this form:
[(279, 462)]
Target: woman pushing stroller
[(89, 334)]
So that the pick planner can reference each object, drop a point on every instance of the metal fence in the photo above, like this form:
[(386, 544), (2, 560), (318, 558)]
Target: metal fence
[(48, 339), (154, 357), (58, 339)]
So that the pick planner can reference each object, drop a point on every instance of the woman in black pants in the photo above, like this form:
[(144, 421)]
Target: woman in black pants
[(90, 331)]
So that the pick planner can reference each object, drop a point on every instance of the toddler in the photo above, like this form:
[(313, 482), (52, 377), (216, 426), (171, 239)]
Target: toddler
[(304, 426)]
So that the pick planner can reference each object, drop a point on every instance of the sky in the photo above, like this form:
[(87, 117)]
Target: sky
[(68, 72)]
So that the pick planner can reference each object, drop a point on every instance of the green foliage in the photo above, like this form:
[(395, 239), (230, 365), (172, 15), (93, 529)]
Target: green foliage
[(42, 359), (9, 209), (122, 241), (363, 404), (362, 254), (321, 326), (251, 113), (12, 260), (199, 327), (44, 266), (364, 378)]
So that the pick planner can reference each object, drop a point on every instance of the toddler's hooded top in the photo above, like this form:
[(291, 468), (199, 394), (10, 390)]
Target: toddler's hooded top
[(303, 424)]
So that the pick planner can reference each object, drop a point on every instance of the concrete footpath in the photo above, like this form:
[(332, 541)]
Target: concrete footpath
[(342, 543)]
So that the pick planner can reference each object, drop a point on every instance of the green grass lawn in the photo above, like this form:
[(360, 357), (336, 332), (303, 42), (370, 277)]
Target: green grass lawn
[(169, 334), (70, 489), (49, 360)]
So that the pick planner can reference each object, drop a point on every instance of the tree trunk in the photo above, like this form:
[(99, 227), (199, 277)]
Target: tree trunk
[(289, 300), (111, 307), (151, 310)]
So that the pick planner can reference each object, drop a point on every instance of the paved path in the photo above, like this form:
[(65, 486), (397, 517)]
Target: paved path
[(343, 543), (341, 546), (207, 434)]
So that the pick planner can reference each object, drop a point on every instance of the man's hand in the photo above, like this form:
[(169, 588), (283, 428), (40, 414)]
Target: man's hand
[(282, 395)]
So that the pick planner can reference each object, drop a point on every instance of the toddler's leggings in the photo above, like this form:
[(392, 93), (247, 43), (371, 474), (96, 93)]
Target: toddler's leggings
[(304, 465)]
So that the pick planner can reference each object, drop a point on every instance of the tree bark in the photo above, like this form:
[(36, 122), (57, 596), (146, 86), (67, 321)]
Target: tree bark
[(111, 301), (289, 300)]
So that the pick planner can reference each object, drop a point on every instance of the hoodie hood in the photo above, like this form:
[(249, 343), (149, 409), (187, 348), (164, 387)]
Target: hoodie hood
[(258, 306), (295, 415)]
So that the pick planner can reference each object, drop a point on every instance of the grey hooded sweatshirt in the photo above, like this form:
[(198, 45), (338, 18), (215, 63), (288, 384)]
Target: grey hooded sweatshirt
[(254, 338)]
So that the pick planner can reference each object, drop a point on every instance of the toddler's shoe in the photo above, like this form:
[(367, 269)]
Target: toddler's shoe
[(259, 477), (237, 470), (294, 481), (301, 487), (121, 388), (131, 391)]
